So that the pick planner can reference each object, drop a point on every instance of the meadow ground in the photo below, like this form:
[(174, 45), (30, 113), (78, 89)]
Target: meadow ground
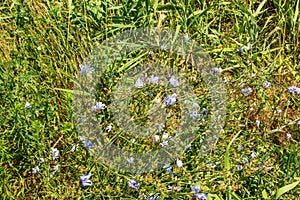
[(255, 43)]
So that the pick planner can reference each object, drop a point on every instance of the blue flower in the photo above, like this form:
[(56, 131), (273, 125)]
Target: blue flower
[(246, 160), (201, 196), (55, 153), (55, 168), (186, 37), (194, 114), (164, 143), (87, 144), (150, 53), (217, 70), (195, 188), (42, 160), (133, 184), (35, 170), (247, 91), (240, 49), (204, 111), (85, 182), (153, 79), (174, 81), (27, 105), (266, 84), (171, 99), (130, 160), (163, 47), (98, 106), (139, 83), (85, 68), (239, 167)]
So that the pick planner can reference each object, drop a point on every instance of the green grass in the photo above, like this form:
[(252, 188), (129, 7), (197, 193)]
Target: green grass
[(43, 43)]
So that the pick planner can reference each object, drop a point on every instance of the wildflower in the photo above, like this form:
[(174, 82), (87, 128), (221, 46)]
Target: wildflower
[(55, 168), (153, 79), (217, 70), (174, 81), (194, 114), (42, 160), (239, 167), (240, 49), (211, 166), (163, 47), (257, 123), (133, 184), (166, 165), (35, 170), (27, 105), (247, 91), (293, 89), (195, 188), (171, 99), (179, 163), (51, 175), (279, 111), (169, 187), (266, 84), (130, 160), (156, 138), (225, 80), (253, 74), (74, 147), (201, 196), (250, 47), (169, 169), (132, 140), (98, 106), (288, 135), (298, 90), (203, 111), (85, 68), (139, 83), (85, 182), (246, 161), (253, 155), (55, 153), (108, 128), (195, 105), (165, 136), (87, 144), (164, 143), (186, 37), (150, 53), (269, 168), (240, 146)]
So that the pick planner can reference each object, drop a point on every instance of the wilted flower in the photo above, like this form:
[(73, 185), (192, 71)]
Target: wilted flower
[(179, 163), (85, 182), (55, 153), (174, 81), (133, 184), (35, 170), (27, 105), (98, 106), (171, 99)]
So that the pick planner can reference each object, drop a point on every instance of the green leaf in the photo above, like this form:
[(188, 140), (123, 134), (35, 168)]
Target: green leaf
[(285, 189), (265, 194), (227, 154)]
